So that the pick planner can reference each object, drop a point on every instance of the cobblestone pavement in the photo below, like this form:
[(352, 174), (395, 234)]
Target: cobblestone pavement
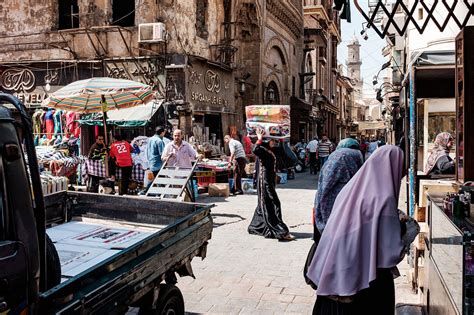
[(247, 274)]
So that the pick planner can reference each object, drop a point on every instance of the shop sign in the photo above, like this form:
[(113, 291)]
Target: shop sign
[(148, 71), (34, 98), (210, 87)]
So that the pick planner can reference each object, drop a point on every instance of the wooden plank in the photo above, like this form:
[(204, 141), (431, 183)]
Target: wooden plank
[(164, 191), (170, 181), (175, 172)]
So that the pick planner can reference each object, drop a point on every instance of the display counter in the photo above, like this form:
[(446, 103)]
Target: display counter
[(450, 275)]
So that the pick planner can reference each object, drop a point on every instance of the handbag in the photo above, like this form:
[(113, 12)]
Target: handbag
[(309, 258)]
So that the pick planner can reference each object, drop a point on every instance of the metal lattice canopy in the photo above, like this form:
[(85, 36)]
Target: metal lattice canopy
[(382, 9)]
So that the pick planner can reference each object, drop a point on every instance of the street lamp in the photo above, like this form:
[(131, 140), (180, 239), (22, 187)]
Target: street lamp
[(270, 94), (384, 66)]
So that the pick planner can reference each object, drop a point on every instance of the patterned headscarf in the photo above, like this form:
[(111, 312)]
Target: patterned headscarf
[(440, 149), (341, 165), (348, 143)]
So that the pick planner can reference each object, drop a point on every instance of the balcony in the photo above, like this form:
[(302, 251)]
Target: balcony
[(320, 10)]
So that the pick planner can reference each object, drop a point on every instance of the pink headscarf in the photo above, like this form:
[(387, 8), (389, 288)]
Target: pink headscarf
[(363, 231), (440, 149)]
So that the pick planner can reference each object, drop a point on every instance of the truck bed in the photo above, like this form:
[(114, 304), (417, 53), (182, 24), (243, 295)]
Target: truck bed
[(115, 249)]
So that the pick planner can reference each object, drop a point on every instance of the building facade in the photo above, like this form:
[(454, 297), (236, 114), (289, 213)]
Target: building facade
[(207, 58), (268, 36), (345, 103), (322, 35)]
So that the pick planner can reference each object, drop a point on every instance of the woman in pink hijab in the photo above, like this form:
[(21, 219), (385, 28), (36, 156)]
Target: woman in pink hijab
[(355, 262), (439, 161)]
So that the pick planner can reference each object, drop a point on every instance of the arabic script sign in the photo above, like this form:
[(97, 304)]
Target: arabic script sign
[(17, 80), (210, 87)]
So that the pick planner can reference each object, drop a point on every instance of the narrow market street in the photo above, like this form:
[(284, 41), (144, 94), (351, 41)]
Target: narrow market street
[(247, 274)]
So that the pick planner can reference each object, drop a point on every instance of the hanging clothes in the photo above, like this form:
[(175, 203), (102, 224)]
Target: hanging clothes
[(49, 121), (63, 122), (57, 122), (37, 121), (77, 129)]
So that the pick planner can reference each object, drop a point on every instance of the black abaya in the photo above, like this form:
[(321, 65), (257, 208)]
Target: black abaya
[(377, 299), (267, 219)]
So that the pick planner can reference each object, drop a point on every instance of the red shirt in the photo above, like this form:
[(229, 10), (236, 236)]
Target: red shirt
[(247, 145), (121, 151)]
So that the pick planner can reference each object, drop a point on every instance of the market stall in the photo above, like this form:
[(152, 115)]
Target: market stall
[(444, 260), (97, 168)]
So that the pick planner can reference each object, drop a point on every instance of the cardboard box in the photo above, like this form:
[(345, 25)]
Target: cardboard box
[(219, 190), (250, 168)]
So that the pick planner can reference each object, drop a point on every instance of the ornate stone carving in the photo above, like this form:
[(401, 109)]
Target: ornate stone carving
[(291, 21)]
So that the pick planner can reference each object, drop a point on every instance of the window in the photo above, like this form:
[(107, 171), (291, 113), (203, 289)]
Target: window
[(201, 18), (68, 11), (420, 14), (123, 13)]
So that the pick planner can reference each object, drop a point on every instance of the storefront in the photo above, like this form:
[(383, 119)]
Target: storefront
[(439, 97), (203, 94)]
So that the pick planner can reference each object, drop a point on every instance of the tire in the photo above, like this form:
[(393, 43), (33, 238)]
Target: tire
[(53, 265), (170, 302)]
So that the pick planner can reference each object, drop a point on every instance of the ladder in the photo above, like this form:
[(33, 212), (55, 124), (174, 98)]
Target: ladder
[(170, 182)]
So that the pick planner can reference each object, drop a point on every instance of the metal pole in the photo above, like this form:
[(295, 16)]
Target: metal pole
[(106, 138)]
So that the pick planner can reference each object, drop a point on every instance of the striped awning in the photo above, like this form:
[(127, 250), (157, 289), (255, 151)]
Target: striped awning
[(85, 96)]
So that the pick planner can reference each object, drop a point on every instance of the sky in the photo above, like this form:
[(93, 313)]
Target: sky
[(371, 49)]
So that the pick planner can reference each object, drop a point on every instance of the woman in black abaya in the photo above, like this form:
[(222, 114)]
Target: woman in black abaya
[(267, 220)]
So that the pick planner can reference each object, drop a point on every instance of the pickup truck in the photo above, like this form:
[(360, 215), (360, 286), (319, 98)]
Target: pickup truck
[(82, 253)]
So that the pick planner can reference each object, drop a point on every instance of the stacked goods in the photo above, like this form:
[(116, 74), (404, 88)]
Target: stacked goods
[(273, 119)]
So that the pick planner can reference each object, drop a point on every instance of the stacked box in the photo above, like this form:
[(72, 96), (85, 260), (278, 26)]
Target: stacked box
[(273, 119)]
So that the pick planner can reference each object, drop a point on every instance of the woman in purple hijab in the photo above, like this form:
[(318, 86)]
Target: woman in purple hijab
[(355, 262)]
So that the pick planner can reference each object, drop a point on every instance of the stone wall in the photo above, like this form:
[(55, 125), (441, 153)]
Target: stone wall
[(29, 30)]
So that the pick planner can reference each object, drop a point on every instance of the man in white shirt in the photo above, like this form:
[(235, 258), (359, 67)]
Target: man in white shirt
[(179, 152), (312, 148), (237, 156)]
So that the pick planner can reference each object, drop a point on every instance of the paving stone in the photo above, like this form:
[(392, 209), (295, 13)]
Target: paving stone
[(274, 306), (294, 308), (285, 298), (243, 303), (296, 291), (265, 290), (304, 300), (224, 309), (197, 308)]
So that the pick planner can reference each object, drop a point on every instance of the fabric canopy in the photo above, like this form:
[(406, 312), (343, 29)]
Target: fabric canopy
[(137, 116), (371, 125), (86, 96)]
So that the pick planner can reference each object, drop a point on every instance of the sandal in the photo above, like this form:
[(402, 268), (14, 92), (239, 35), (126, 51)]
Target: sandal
[(287, 238)]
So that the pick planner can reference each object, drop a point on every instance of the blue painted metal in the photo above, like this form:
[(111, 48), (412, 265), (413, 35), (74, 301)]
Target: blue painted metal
[(412, 138)]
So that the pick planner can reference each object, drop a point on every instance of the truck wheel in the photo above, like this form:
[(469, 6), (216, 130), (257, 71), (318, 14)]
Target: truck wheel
[(170, 302), (53, 265)]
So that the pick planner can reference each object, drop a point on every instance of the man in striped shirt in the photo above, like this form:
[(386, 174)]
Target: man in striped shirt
[(237, 156), (324, 149)]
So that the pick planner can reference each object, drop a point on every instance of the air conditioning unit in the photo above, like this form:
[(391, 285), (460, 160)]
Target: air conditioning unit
[(151, 32)]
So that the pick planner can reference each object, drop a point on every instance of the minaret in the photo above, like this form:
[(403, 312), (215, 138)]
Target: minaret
[(353, 64)]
